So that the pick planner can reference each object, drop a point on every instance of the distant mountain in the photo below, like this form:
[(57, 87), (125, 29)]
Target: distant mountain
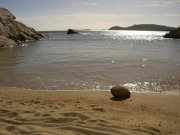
[(144, 27)]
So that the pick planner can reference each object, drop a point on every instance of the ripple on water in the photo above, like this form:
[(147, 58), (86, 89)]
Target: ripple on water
[(94, 60)]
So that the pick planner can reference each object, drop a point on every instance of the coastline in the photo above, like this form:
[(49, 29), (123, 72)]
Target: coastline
[(87, 112)]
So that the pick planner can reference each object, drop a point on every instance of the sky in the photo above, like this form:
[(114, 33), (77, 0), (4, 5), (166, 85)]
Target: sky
[(93, 14)]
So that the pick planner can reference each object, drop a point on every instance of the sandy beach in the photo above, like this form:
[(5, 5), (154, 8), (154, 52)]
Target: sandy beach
[(31, 112)]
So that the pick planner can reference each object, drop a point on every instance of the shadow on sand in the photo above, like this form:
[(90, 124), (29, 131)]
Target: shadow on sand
[(119, 99)]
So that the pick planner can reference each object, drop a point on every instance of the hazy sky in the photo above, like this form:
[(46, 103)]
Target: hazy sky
[(93, 14)]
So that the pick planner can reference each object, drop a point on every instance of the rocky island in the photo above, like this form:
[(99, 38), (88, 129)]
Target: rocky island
[(13, 32), (173, 34), (145, 27), (71, 31)]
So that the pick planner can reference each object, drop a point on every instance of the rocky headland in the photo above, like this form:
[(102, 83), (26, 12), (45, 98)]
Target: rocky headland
[(144, 27), (173, 34), (12, 32)]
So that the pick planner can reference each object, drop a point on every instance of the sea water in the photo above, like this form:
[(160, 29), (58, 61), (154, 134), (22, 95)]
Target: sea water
[(142, 61)]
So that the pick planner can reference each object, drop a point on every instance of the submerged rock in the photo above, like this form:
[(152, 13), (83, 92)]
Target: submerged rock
[(13, 32), (120, 92), (173, 34), (71, 31)]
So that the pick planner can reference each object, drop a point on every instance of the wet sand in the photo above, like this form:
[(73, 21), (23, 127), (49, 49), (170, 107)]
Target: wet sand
[(87, 113)]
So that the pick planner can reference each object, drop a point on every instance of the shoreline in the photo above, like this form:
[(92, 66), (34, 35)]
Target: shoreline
[(173, 92), (87, 112)]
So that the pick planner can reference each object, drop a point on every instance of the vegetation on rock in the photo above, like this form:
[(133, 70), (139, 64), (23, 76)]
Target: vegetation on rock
[(173, 34), (145, 27)]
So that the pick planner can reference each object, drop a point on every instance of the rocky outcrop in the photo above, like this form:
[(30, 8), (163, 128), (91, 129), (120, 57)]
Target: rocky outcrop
[(13, 32), (173, 34), (71, 31), (120, 92)]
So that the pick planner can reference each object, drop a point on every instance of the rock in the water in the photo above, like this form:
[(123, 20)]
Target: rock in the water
[(13, 32), (71, 31), (173, 34), (4, 41), (120, 92)]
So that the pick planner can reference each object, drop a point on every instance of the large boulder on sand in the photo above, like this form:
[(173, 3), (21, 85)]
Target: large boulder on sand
[(120, 92), (71, 31), (13, 32)]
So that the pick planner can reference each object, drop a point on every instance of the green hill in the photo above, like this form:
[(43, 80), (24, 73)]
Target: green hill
[(144, 27)]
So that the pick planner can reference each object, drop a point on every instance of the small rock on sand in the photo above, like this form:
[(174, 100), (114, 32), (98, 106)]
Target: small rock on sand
[(120, 92)]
